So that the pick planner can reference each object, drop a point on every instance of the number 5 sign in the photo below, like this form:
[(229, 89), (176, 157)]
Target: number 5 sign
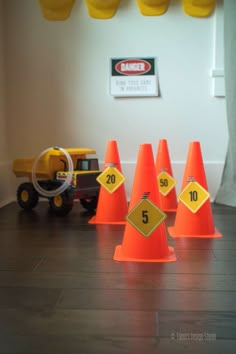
[(111, 179), (145, 217)]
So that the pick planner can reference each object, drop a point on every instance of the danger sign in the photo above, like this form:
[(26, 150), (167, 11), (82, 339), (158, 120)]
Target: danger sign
[(133, 77)]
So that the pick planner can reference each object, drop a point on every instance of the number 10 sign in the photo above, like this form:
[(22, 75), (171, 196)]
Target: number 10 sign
[(194, 196)]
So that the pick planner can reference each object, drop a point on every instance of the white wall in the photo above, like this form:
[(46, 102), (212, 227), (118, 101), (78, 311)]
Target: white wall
[(5, 164), (2, 90), (58, 85)]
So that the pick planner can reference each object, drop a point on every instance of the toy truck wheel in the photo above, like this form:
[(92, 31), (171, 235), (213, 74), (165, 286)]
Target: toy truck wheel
[(27, 196), (61, 204), (89, 203)]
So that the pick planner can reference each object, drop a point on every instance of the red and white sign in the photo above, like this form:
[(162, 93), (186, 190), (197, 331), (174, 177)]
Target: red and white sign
[(133, 77), (133, 67)]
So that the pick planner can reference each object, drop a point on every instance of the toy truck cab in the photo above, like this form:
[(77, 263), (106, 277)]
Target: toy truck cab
[(51, 172)]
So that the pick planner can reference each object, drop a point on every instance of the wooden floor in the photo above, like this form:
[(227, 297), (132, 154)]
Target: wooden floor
[(61, 292)]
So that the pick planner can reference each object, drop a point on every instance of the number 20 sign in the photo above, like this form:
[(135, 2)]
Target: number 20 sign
[(111, 179)]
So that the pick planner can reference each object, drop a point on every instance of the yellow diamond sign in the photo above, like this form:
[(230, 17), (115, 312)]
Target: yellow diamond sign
[(165, 183), (194, 196), (145, 217), (111, 179)]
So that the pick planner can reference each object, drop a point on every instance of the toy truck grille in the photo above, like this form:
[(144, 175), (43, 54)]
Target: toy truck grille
[(85, 183)]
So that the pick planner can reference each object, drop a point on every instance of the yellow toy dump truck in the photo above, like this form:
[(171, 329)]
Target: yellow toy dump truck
[(51, 172)]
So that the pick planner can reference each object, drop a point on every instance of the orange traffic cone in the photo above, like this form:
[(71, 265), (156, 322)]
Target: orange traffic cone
[(199, 223), (168, 201), (112, 207), (136, 247)]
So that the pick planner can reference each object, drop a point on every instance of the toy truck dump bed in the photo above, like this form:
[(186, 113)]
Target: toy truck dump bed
[(54, 160), (51, 171)]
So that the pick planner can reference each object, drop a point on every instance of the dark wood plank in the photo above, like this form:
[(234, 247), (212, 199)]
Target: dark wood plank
[(88, 331), (37, 298), (19, 263), (220, 324), (97, 251), (225, 245), (145, 281), (225, 255), (202, 244), (160, 324), (195, 255), (75, 264), (103, 248), (219, 209), (147, 300), (61, 291), (113, 345), (79, 322)]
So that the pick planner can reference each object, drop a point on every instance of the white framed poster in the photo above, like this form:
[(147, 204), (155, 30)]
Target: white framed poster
[(132, 77)]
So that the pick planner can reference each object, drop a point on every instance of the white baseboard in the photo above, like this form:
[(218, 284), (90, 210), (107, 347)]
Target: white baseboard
[(6, 188), (213, 171), (6, 201)]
